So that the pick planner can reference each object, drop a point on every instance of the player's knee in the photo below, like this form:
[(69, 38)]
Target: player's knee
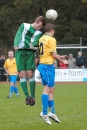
[(52, 90), (21, 75), (46, 90), (30, 74), (12, 84)]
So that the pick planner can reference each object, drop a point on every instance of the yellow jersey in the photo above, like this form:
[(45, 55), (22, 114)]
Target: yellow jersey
[(10, 65), (47, 46)]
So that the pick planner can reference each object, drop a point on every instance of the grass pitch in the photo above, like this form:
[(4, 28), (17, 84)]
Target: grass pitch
[(70, 105)]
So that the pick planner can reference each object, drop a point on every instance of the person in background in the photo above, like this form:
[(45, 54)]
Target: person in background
[(2, 70), (25, 44), (47, 47), (80, 61), (72, 62), (63, 66), (86, 63), (11, 69)]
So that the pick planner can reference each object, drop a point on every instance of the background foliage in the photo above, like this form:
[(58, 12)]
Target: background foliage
[(69, 26)]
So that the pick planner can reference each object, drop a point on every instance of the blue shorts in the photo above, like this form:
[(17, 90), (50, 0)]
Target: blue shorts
[(47, 74), (13, 78)]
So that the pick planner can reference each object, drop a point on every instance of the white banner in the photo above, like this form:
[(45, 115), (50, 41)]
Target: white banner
[(66, 75)]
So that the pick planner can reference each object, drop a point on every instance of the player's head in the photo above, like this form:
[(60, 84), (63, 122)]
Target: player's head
[(49, 29), (10, 54), (39, 23)]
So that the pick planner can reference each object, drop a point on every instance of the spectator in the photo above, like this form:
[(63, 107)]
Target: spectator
[(2, 70), (80, 61), (63, 66), (72, 62), (86, 63)]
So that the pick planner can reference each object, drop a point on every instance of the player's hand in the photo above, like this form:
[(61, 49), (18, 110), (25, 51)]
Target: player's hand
[(15, 47), (37, 61), (66, 56), (32, 47), (7, 73), (16, 73), (65, 62)]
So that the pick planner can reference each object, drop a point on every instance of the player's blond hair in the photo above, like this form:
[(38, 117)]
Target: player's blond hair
[(11, 51)]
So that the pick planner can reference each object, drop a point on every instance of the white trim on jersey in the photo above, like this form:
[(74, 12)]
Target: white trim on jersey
[(26, 28), (35, 34)]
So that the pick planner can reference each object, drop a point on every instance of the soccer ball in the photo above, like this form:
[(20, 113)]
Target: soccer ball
[(51, 14)]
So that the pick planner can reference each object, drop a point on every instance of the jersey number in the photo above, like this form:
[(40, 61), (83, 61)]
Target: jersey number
[(41, 48)]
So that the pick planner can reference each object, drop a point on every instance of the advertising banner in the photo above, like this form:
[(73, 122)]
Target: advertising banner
[(66, 75)]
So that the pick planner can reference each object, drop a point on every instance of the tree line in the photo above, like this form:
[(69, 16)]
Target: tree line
[(69, 26)]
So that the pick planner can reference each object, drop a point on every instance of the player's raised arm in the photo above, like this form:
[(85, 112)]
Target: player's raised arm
[(58, 58)]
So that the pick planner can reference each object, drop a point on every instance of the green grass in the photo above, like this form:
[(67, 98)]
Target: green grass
[(70, 105)]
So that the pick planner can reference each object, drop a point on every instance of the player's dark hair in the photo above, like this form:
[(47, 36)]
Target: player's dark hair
[(48, 27), (41, 19)]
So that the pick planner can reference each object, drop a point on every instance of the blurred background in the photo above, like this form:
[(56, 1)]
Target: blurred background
[(70, 26)]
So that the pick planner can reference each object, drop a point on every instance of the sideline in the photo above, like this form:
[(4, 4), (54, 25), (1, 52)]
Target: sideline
[(6, 82)]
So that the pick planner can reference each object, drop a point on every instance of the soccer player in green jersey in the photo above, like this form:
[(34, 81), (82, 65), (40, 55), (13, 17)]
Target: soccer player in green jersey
[(25, 43)]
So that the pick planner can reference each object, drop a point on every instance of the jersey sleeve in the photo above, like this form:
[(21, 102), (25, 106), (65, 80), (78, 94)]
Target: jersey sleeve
[(18, 35), (5, 65), (52, 45)]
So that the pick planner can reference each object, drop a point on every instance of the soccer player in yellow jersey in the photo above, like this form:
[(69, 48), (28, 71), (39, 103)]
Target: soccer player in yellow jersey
[(11, 69), (47, 47)]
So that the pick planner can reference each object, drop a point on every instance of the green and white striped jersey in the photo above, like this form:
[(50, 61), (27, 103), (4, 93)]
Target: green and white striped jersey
[(25, 35)]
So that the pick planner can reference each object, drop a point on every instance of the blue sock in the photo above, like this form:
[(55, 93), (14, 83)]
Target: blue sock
[(16, 90), (44, 103), (51, 106), (11, 89)]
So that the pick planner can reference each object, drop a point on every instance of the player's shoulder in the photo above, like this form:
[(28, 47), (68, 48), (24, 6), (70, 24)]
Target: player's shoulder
[(14, 59), (52, 40), (25, 25), (7, 60), (38, 32)]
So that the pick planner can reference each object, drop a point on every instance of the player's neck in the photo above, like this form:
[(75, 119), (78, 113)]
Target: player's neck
[(11, 58), (33, 25), (49, 34)]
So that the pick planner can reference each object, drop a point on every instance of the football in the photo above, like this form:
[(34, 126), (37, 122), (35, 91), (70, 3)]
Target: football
[(51, 14)]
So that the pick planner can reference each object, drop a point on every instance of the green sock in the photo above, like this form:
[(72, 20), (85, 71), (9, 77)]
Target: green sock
[(32, 88), (24, 88)]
